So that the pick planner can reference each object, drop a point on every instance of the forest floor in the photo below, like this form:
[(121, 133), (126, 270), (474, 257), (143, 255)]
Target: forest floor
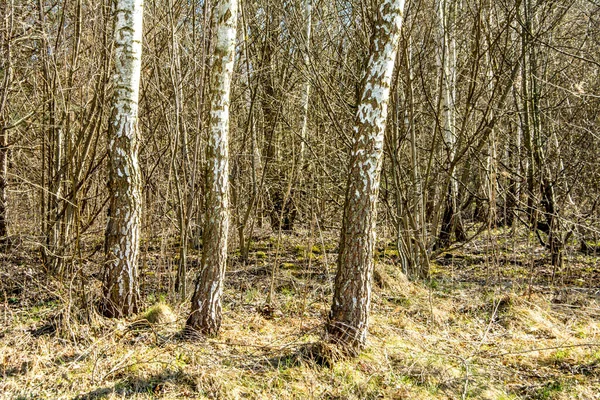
[(494, 321)]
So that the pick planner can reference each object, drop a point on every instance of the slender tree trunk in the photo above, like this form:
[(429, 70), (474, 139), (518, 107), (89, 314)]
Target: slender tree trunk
[(206, 316), (526, 115), (417, 184), (538, 171), (306, 89), (270, 110), (451, 221), (52, 152), (242, 221), (491, 171), (6, 66), (349, 316), (512, 193), (121, 291)]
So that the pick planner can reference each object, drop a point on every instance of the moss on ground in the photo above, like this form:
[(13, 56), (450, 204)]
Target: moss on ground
[(468, 332)]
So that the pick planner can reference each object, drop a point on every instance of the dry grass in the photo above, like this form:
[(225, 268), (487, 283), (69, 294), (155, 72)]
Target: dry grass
[(444, 339)]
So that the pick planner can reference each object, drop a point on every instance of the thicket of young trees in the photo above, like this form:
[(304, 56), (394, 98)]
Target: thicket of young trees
[(237, 116)]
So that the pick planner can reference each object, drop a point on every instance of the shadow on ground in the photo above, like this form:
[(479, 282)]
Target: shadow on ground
[(155, 385)]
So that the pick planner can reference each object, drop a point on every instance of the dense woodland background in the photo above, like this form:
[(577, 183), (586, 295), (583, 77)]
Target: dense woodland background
[(490, 183)]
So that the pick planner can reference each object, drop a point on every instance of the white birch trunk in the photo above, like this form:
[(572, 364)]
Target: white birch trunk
[(349, 316), (306, 89), (206, 303), (121, 292)]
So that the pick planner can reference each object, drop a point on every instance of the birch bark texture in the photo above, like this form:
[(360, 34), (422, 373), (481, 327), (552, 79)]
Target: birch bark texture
[(206, 311), (349, 315), (121, 291)]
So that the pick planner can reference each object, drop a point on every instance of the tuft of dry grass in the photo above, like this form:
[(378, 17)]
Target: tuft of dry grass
[(159, 313)]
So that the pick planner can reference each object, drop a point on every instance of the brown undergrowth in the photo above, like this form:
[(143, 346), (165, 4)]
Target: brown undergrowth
[(486, 325)]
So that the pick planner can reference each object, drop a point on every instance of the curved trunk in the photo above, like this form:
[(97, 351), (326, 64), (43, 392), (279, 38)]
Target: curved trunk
[(348, 319)]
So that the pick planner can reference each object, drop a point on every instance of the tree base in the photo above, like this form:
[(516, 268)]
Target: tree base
[(348, 340), (110, 309), (323, 354), (197, 326)]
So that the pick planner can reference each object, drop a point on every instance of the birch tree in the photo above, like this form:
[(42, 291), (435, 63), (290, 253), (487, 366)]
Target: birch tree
[(446, 13), (349, 315), (5, 86), (306, 89), (121, 291), (205, 316)]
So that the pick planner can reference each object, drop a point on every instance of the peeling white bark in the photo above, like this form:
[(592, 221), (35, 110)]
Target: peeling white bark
[(206, 302), (352, 297), (123, 231)]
